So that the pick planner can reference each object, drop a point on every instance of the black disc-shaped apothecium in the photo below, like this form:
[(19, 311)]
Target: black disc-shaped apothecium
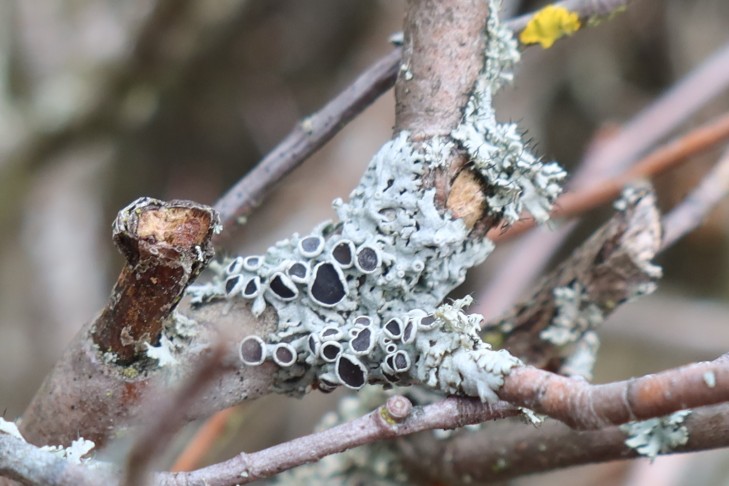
[(252, 288), (252, 350), (299, 272), (311, 246), (283, 287), (367, 260), (314, 344), (362, 321), (233, 284), (330, 333), (284, 355), (343, 253), (393, 328), (351, 372), (400, 362), (234, 266), (252, 263), (409, 332), (428, 322), (362, 342), (327, 288), (330, 350)]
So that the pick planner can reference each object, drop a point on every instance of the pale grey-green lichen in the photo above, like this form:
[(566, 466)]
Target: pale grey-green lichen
[(581, 360), (356, 299), (519, 180), (658, 435), (575, 313), (74, 453)]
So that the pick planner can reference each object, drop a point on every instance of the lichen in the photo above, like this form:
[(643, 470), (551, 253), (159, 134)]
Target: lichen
[(575, 313), (550, 24), (658, 435), (582, 357), (357, 299), (519, 180), (163, 353), (73, 453)]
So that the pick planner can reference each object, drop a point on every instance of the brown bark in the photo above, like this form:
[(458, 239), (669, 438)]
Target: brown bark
[(612, 267), (165, 245)]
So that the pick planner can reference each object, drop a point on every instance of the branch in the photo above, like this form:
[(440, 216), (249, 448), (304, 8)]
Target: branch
[(584, 406), (102, 374), (394, 419), (392, 186), (305, 139), (610, 268), (166, 246), (31, 465), (523, 450)]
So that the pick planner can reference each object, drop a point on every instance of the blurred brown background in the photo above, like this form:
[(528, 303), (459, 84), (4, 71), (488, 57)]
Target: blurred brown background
[(103, 101)]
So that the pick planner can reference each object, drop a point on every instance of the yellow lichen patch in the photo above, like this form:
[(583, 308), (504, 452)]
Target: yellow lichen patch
[(548, 25)]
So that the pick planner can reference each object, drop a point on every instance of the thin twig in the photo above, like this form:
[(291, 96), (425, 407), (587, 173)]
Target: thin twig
[(584, 406), (690, 213), (573, 401), (306, 138), (394, 419)]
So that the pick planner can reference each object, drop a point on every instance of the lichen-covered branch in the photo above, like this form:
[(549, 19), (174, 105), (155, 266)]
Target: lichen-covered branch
[(606, 157), (610, 268), (475, 457), (314, 131), (356, 300)]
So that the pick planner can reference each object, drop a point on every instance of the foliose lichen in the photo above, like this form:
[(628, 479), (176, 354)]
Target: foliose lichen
[(575, 313), (357, 300), (520, 181), (658, 435), (74, 453)]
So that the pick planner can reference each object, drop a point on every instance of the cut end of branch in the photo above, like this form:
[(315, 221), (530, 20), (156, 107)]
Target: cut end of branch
[(166, 245)]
